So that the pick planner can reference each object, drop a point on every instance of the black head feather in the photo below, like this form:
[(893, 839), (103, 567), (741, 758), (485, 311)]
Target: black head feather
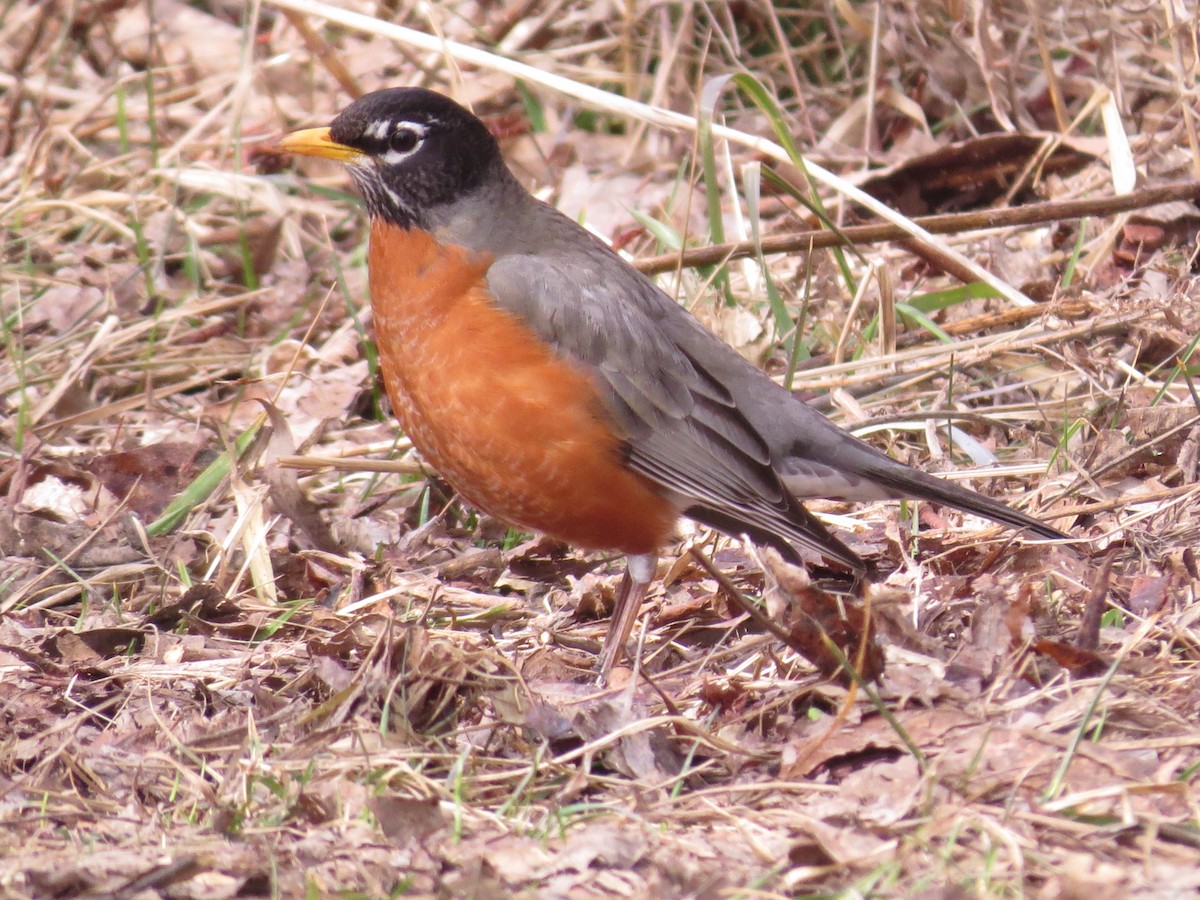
[(421, 150)]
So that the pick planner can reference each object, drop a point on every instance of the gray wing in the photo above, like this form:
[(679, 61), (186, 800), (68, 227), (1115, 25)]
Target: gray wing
[(664, 379), (736, 449)]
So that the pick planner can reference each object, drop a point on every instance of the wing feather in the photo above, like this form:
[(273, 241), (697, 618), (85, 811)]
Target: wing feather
[(682, 426)]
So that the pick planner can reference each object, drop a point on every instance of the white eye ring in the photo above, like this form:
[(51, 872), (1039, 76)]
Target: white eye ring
[(405, 140)]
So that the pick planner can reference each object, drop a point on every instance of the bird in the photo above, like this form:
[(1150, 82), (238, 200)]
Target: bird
[(559, 389)]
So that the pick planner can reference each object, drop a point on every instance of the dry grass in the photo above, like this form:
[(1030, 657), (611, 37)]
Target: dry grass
[(283, 678)]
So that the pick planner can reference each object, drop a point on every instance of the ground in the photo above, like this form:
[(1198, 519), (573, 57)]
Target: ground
[(250, 646)]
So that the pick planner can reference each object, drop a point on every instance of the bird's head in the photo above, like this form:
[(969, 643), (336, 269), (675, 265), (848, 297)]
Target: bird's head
[(410, 151)]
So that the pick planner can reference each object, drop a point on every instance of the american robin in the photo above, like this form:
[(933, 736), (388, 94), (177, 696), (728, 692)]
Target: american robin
[(558, 388)]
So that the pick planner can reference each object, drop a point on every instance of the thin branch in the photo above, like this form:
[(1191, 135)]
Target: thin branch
[(950, 223)]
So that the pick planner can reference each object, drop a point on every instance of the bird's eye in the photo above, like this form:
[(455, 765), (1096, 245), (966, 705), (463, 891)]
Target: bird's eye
[(404, 140)]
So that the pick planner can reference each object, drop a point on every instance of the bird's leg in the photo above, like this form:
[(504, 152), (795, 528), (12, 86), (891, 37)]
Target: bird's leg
[(639, 575)]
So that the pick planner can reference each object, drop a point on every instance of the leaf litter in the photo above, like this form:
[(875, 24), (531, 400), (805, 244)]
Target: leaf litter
[(325, 678)]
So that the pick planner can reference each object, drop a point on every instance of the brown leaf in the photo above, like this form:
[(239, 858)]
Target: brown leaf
[(96, 644), (1080, 662), (644, 754), (686, 605), (479, 568), (814, 618), (969, 174), (147, 478), (606, 844), (1148, 594), (406, 820), (1165, 225), (285, 485), (816, 745), (1000, 622)]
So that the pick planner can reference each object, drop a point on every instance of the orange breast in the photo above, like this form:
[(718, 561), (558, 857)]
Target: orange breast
[(518, 430)]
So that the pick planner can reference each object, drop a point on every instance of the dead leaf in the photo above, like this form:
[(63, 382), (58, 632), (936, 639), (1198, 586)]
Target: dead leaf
[(812, 617), (147, 478), (408, 820), (971, 173), (285, 485)]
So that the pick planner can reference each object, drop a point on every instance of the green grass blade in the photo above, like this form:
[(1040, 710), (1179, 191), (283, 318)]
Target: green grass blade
[(203, 485), (917, 317)]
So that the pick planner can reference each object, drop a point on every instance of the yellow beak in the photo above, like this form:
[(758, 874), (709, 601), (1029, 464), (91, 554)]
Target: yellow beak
[(317, 142)]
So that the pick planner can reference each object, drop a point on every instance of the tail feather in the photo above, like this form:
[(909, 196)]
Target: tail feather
[(908, 482)]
